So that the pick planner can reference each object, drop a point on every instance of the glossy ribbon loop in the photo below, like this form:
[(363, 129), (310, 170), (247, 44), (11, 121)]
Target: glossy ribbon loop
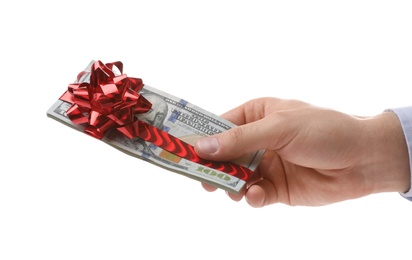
[(106, 101)]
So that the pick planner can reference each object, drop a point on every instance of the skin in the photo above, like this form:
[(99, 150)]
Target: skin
[(314, 156)]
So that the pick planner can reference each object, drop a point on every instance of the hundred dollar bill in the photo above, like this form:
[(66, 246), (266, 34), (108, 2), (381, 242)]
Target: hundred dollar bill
[(179, 118)]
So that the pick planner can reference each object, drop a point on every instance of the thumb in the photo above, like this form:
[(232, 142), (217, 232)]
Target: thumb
[(237, 141)]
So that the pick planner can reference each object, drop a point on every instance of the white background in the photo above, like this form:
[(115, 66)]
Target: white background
[(65, 195)]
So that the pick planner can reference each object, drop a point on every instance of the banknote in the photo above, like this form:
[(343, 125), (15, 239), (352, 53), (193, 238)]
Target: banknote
[(179, 118)]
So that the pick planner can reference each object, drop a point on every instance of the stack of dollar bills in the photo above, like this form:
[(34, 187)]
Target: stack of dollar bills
[(182, 120)]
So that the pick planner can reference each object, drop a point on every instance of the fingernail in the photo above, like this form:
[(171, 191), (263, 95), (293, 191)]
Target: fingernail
[(208, 145)]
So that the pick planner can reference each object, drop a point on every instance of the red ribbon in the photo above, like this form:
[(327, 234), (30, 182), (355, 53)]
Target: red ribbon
[(111, 101), (107, 101)]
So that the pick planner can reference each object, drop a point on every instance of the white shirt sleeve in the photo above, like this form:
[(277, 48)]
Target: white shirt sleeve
[(405, 116)]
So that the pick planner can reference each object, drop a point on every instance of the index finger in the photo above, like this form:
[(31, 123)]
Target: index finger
[(248, 112), (259, 108)]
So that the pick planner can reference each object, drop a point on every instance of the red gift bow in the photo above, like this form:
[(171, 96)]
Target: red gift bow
[(113, 101), (107, 101)]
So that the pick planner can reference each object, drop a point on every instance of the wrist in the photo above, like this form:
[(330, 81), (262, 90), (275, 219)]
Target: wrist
[(386, 160)]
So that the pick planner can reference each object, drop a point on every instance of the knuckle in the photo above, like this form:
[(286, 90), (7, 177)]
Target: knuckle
[(236, 134)]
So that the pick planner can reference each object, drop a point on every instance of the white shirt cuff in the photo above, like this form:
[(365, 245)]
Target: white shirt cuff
[(405, 116)]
